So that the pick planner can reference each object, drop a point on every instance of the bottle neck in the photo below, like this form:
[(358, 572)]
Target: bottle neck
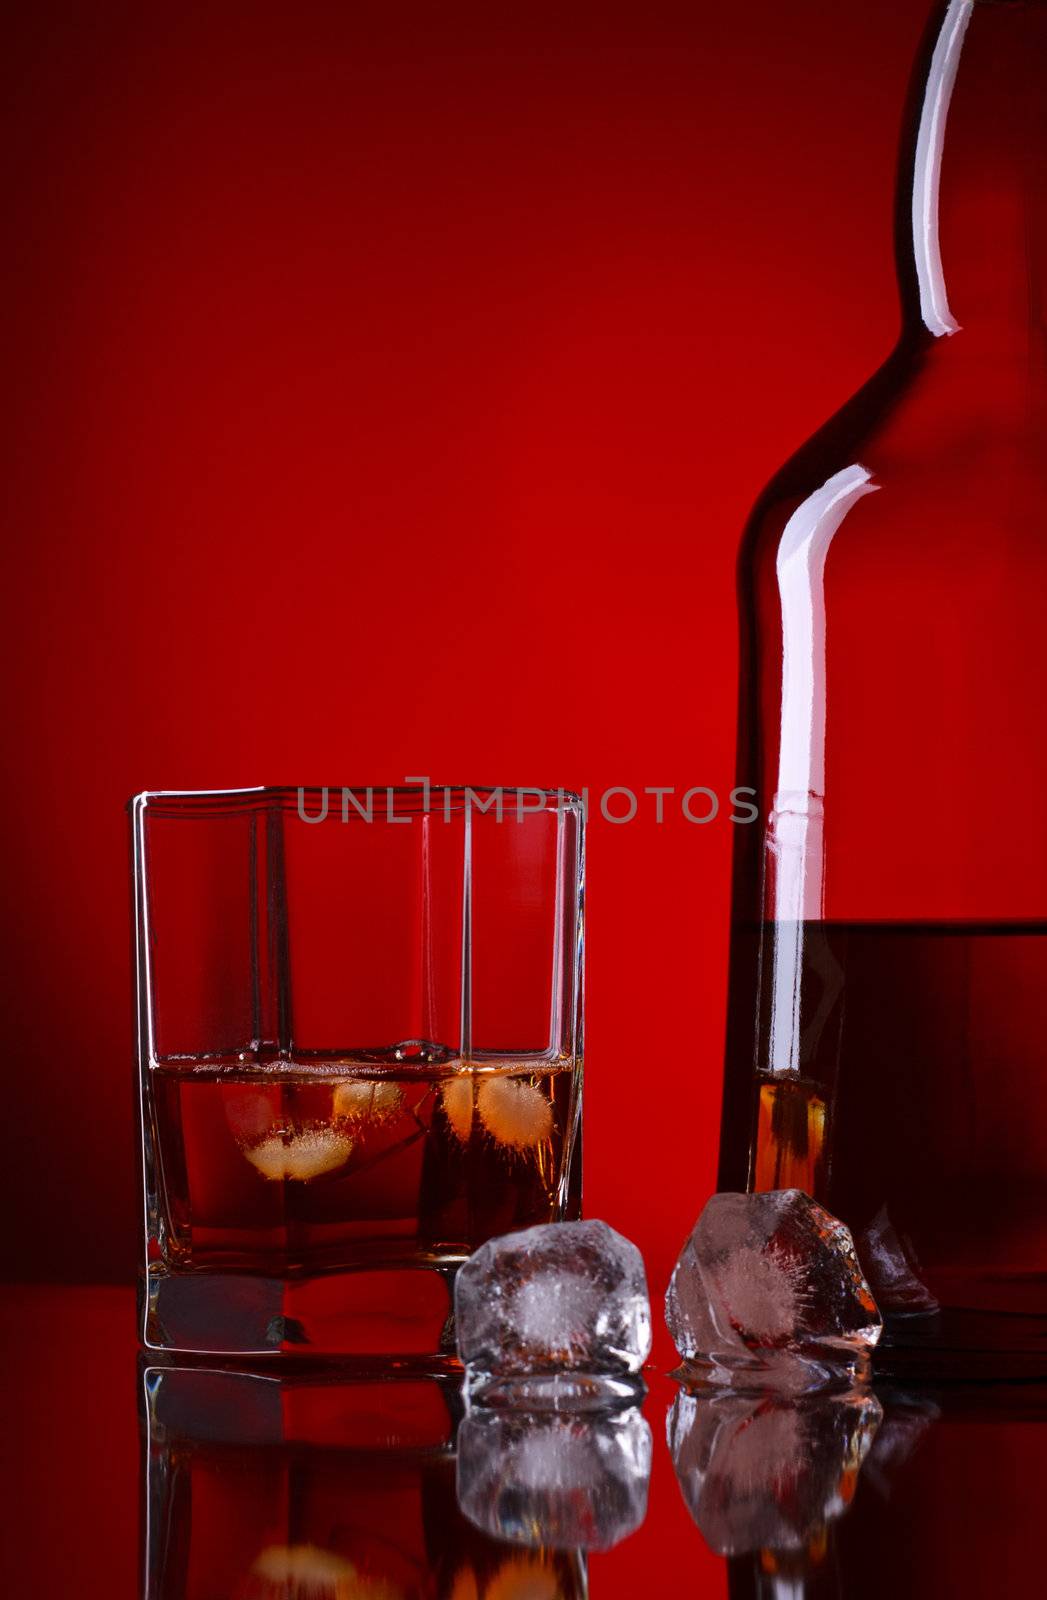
[(973, 193)]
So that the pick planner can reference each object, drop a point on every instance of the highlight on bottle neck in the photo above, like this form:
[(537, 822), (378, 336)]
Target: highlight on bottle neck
[(972, 209)]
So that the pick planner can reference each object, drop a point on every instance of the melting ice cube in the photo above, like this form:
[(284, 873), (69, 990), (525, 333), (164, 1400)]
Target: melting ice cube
[(768, 1293), (555, 1315), (301, 1153), (367, 1101)]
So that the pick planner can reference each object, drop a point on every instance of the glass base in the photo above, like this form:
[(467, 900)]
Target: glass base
[(392, 1316)]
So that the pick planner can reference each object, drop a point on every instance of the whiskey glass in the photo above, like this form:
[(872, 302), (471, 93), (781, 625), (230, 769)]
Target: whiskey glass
[(359, 1029)]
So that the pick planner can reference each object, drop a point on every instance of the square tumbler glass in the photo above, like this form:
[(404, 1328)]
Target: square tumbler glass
[(359, 1028)]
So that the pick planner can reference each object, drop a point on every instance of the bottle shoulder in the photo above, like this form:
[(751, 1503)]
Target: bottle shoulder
[(952, 437)]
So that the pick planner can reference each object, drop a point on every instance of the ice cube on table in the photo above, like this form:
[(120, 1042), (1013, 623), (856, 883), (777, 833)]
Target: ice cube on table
[(768, 1472), (564, 1482), (768, 1294), (554, 1316)]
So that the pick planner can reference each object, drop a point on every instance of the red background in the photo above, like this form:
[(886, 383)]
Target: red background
[(386, 390)]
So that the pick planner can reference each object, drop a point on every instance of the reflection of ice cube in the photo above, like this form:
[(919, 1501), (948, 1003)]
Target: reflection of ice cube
[(564, 1482), (906, 1419), (768, 1472), (553, 1315), (768, 1293)]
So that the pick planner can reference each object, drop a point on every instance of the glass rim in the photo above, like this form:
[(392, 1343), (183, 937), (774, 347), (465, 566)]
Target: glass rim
[(415, 798)]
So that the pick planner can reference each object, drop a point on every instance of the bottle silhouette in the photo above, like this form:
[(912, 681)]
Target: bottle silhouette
[(887, 1030)]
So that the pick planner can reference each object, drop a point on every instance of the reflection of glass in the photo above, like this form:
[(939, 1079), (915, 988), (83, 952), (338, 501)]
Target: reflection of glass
[(359, 1031), (566, 1480), (318, 1488), (767, 1474), (889, 945)]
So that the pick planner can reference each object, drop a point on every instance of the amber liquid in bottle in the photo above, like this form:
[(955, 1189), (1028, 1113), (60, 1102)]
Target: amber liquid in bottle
[(886, 1043)]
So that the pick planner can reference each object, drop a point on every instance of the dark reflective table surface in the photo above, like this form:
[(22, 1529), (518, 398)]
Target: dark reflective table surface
[(159, 1482)]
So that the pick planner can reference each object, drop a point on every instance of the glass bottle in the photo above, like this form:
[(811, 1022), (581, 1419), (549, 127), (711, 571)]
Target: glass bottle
[(887, 1029)]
